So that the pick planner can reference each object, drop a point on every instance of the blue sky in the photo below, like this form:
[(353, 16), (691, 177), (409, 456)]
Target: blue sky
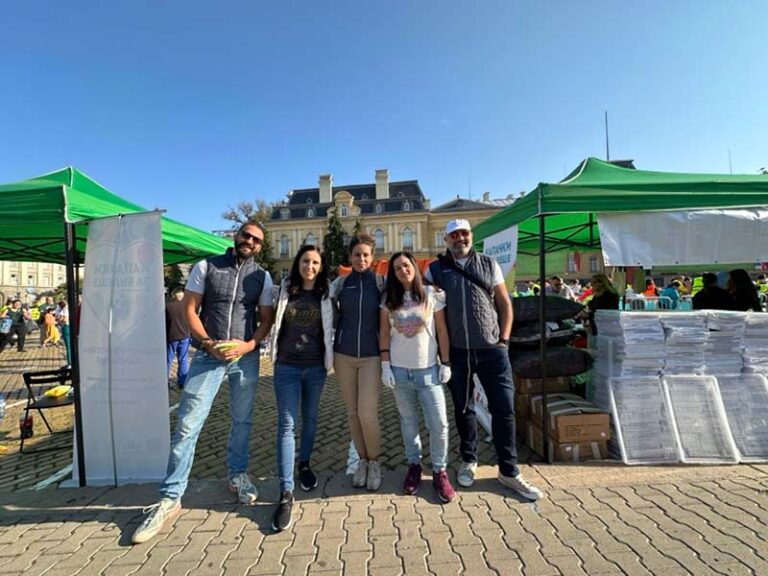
[(194, 106)]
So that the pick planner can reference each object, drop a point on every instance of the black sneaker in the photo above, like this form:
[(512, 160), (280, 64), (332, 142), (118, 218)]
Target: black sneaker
[(282, 519), (307, 478)]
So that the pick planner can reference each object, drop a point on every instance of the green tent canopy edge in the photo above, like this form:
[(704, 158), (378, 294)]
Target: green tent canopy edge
[(36, 210), (597, 186)]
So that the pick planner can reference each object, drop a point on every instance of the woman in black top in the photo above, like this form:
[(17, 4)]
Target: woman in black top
[(743, 290), (604, 297)]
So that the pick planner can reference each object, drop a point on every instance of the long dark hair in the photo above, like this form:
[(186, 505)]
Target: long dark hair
[(395, 290), (296, 281), (744, 291)]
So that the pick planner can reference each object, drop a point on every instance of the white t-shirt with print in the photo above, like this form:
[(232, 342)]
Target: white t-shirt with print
[(412, 336)]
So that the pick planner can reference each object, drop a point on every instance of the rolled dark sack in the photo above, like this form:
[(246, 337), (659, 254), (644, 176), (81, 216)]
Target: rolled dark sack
[(562, 361), (526, 309), (527, 335)]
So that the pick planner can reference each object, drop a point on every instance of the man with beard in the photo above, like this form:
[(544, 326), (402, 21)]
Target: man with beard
[(479, 317), (234, 296)]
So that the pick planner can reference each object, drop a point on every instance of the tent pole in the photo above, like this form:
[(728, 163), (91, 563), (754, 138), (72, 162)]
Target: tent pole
[(74, 327), (591, 229), (543, 335)]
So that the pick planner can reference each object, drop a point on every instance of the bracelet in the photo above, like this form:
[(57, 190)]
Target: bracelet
[(445, 363), (382, 350)]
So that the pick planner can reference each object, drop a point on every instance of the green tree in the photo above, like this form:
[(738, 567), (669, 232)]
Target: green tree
[(260, 212), (333, 244)]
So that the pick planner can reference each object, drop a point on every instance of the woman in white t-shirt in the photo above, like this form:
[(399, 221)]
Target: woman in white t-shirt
[(411, 329)]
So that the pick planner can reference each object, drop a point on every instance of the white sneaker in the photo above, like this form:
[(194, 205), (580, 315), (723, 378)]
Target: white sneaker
[(360, 477), (374, 476), (521, 486), (244, 488), (158, 517), (465, 476)]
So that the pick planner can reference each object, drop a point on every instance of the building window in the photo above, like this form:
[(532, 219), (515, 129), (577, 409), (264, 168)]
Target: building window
[(30, 280), (343, 211), (378, 236), (347, 239), (309, 200), (310, 212), (571, 266), (14, 278), (46, 280), (406, 206), (309, 240), (379, 208), (400, 195), (283, 246), (285, 213), (593, 266), (439, 239), (364, 197), (60, 279), (406, 239)]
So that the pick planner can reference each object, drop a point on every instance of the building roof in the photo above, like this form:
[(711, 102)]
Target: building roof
[(300, 201), (459, 203)]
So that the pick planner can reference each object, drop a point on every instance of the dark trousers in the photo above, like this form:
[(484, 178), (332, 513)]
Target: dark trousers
[(495, 374), (21, 335)]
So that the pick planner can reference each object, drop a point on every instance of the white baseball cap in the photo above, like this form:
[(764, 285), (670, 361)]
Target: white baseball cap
[(459, 224)]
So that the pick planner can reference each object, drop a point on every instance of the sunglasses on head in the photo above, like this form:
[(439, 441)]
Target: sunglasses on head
[(248, 236), (459, 233)]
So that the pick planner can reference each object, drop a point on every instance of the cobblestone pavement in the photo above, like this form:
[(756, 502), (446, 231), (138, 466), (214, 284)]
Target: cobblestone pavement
[(603, 518)]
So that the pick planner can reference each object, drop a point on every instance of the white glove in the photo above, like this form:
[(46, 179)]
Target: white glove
[(387, 376), (444, 375)]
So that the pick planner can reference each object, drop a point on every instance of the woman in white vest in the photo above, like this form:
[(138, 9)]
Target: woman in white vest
[(302, 353)]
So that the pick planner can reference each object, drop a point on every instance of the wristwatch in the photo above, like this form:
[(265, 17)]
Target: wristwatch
[(504, 341)]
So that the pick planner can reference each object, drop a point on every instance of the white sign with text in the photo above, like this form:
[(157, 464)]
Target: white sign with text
[(123, 377)]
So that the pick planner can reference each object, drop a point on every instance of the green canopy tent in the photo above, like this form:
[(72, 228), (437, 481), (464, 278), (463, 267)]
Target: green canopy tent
[(35, 211), (570, 206), (45, 219), (562, 216)]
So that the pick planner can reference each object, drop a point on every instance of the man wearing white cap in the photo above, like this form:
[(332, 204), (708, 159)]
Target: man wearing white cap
[(479, 317)]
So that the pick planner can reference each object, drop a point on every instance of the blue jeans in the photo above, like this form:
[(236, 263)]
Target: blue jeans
[(203, 382), (294, 384), (495, 374), (179, 349), (414, 387)]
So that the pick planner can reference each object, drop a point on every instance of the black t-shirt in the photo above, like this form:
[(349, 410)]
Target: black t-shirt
[(713, 298), (300, 341), (176, 327)]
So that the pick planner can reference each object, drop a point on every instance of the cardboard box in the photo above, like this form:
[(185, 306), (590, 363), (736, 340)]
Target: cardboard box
[(533, 385), (566, 451), (571, 418)]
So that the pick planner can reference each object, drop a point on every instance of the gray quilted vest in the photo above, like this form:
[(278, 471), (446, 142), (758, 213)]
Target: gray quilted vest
[(470, 311), (231, 297)]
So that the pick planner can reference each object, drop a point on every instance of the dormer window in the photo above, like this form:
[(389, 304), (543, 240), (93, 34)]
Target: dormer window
[(400, 195), (343, 211), (364, 197), (406, 206), (310, 212), (379, 208), (309, 200), (285, 214)]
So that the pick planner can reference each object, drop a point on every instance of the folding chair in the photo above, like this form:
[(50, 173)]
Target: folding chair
[(37, 383)]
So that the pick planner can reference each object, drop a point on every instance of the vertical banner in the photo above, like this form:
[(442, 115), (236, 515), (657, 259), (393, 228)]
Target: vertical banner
[(123, 375), (502, 247)]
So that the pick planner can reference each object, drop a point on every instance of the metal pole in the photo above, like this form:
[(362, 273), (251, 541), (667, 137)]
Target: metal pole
[(70, 245), (543, 333)]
